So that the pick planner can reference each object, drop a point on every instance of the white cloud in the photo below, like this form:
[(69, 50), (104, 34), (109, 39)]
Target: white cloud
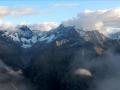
[(7, 26), (6, 11), (46, 26), (103, 20)]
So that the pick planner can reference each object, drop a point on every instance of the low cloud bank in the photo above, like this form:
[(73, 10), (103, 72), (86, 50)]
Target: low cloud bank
[(46, 26)]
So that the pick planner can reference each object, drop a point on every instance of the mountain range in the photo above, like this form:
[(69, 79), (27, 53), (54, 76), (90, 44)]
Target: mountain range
[(64, 58)]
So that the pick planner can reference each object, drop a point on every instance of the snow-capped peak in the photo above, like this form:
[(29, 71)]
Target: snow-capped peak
[(27, 38), (24, 31)]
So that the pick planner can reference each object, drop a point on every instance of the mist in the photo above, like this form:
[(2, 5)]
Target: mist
[(103, 71), (13, 80)]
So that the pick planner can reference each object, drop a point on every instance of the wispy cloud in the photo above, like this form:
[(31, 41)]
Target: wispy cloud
[(6, 11), (64, 5)]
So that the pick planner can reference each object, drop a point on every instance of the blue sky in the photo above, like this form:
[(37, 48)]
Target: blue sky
[(53, 10)]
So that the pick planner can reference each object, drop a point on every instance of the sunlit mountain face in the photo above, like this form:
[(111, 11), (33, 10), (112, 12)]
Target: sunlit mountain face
[(43, 46)]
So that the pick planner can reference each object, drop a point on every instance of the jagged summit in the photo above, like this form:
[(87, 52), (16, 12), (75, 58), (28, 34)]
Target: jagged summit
[(24, 28), (24, 31)]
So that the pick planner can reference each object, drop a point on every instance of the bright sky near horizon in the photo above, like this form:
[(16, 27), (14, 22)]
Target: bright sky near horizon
[(38, 11)]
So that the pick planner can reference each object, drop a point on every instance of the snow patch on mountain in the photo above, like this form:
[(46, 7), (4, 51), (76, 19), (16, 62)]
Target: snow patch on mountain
[(48, 38), (14, 37)]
